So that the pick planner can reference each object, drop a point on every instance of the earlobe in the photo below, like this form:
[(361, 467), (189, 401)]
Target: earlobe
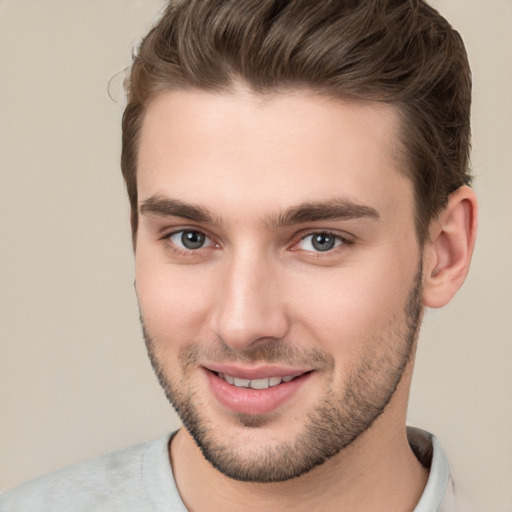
[(447, 253)]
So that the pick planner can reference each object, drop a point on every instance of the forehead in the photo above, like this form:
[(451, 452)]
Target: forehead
[(232, 150)]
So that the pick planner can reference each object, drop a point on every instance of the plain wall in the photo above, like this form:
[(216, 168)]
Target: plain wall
[(74, 376)]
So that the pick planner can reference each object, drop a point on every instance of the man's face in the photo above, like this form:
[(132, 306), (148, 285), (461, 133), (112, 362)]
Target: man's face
[(277, 272)]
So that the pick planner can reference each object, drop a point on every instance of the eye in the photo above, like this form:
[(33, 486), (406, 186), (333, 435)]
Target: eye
[(190, 239), (320, 242)]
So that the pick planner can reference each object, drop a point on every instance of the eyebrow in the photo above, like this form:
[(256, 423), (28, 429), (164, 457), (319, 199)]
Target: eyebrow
[(166, 207), (333, 209)]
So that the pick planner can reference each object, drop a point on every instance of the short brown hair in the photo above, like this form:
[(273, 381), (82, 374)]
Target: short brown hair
[(401, 52)]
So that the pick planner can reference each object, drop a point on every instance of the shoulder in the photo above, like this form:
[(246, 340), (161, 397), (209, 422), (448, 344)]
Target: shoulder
[(108, 482)]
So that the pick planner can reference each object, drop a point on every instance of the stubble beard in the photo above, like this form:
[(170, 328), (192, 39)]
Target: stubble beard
[(338, 419)]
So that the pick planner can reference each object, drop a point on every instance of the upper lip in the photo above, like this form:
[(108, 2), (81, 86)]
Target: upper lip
[(258, 372)]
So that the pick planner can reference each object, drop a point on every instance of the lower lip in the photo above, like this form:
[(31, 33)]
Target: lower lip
[(253, 401)]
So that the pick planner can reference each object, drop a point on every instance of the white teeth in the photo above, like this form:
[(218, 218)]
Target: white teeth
[(274, 381), (241, 383), (259, 383), (256, 383)]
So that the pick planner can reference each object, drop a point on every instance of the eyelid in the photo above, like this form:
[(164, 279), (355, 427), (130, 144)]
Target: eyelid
[(167, 234), (169, 231), (345, 238)]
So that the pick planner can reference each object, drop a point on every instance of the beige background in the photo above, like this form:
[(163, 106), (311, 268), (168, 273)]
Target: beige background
[(74, 380)]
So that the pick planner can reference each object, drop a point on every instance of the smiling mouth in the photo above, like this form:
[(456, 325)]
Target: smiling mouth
[(255, 391), (264, 383)]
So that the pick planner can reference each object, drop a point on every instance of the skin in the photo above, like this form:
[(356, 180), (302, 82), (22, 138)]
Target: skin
[(258, 282)]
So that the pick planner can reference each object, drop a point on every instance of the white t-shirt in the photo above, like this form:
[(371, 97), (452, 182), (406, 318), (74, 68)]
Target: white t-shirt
[(140, 479)]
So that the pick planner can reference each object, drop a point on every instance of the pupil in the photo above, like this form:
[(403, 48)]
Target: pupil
[(192, 239), (323, 242)]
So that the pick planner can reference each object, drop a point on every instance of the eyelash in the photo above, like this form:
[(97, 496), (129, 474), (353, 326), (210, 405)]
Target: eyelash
[(341, 243), (185, 251)]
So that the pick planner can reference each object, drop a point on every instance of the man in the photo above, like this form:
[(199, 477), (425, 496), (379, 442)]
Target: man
[(298, 179)]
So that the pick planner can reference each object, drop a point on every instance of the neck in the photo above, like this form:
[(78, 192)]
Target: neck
[(392, 473)]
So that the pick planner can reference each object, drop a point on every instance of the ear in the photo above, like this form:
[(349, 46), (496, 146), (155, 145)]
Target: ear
[(447, 253)]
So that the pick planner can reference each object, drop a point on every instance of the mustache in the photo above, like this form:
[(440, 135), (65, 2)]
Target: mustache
[(275, 351)]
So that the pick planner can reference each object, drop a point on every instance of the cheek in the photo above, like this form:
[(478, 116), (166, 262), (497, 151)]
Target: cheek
[(348, 309), (174, 303)]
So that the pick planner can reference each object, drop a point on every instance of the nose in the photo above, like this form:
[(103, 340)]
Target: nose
[(249, 307)]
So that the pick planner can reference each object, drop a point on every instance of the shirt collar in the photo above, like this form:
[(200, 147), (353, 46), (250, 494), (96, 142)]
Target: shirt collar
[(428, 450)]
